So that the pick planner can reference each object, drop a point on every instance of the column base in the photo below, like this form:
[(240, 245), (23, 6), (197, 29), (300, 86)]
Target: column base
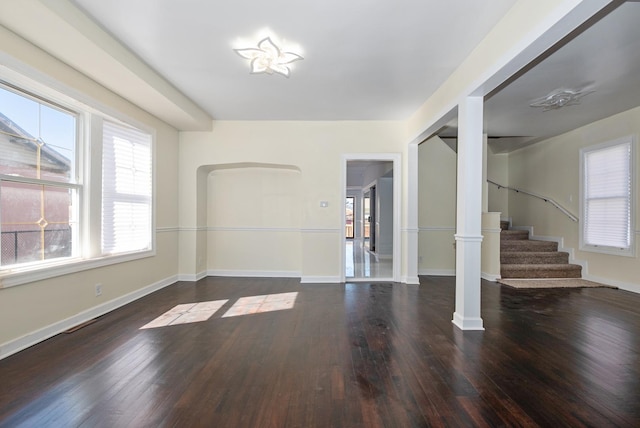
[(467, 323)]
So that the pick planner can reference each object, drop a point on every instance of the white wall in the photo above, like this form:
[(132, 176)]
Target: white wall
[(436, 208), (315, 149), (552, 168), (34, 311), (254, 216), (498, 171)]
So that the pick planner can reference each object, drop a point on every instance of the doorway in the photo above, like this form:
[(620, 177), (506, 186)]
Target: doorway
[(373, 252)]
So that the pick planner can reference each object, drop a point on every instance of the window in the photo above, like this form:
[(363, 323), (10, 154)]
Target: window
[(126, 189), (38, 183), (76, 185), (607, 197)]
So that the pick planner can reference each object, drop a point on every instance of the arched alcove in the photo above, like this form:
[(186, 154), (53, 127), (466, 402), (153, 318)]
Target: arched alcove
[(249, 218)]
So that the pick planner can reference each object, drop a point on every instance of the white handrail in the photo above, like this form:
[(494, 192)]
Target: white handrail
[(549, 200)]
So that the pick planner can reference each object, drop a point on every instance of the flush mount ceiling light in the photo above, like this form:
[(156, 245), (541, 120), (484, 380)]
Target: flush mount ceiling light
[(269, 58), (561, 98)]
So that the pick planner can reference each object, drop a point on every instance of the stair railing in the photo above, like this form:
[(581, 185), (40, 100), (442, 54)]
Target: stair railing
[(549, 200)]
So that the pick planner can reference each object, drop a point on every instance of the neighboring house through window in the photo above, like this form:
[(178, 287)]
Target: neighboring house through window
[(49, 149)]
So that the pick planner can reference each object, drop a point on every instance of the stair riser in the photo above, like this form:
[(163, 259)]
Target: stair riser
[(531, 257), (527, 245), (510, 235), (568, 271)]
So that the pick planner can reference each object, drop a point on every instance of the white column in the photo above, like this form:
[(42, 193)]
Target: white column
[(469, 218)]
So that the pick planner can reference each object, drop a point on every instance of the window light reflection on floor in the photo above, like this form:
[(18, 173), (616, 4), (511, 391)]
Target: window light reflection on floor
[(197, 312), (259, 304), (186, 313)]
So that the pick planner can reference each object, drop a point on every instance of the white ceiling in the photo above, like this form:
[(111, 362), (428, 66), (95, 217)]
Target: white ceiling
[(364, 59), (604, 56)]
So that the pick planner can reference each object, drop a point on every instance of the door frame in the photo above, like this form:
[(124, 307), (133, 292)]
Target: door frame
[(396, 158)]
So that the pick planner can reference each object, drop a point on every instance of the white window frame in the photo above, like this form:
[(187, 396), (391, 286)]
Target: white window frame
[(630, 251), (89, 171)]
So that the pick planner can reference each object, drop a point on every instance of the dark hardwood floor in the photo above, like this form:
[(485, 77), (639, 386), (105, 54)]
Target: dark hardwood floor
[(354, 355)]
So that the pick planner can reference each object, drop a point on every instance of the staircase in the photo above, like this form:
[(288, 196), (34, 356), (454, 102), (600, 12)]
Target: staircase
[(521, 257)]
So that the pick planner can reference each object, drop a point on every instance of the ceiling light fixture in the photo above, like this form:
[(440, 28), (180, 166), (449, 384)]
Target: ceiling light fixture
[(269, 58), (561, 98)]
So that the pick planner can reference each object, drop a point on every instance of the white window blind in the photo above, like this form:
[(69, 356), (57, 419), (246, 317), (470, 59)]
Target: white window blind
[(126, 189), (607, 196)]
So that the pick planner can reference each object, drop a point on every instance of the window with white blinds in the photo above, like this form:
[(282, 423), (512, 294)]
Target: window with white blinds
[(126, 189), (607, 185)]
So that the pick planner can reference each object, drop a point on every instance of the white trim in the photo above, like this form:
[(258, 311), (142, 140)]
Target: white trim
[(193, 229), (368, 279), (437, 272), (410, 280), (167, 229), (30, 339), (255, 273), (310, 279), (490, 277), (190, 277), (65, 267), (467, 323), (318, 230), (437, 229), (468, 238), (251, 229), (627, 286)]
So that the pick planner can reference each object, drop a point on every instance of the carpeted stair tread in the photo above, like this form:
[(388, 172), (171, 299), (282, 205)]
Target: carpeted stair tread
[(504, 224), (541, 271), (527, 245), (514, 234)]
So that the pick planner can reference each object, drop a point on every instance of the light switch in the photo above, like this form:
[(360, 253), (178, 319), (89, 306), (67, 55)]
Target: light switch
[(324, 204)]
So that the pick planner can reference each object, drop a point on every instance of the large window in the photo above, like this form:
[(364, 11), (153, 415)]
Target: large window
[(50, 147), (38, 183), (607, 197)]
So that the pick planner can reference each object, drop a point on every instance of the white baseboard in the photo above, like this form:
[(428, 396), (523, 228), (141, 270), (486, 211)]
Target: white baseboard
[(490, 277), (309, 279), (192, 277), (627, 286), (437, 272), (410, 280), (467, 323), (255, 273), (30, 339)]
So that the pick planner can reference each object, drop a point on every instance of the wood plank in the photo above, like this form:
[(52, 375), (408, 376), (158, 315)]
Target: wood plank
[(357, 355)]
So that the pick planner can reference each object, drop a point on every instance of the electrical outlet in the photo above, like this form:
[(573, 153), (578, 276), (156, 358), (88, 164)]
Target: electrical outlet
[(98, 290)]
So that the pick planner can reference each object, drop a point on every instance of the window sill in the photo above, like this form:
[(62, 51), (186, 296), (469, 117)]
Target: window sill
[(609, 250), (12, 277)]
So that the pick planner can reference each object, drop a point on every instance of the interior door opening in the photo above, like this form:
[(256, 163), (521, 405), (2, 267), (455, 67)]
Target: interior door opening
[(370, 220)]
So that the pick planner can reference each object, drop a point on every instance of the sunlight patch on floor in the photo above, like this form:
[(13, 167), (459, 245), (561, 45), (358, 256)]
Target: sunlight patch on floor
[(187, 313), (197, 312), (259, 304)]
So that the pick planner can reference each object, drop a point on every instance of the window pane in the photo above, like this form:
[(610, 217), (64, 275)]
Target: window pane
[(126, 189), (607, 196), (37, 222), (36, 140)]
